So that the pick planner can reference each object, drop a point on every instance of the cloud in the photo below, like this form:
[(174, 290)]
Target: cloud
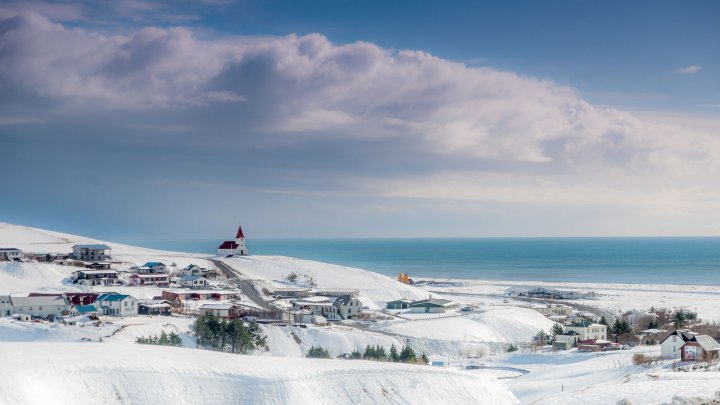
[(299, 115), (689, 70)]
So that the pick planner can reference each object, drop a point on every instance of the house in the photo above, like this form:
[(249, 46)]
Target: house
[(91, 253), (399, 304), (192, 270), (115, 304), (154, 307), (193, 281), (555, 310), (588, 330), (95, 277), (220, 310), (160, 280), (46, 257), (5, 306), (10, 254), (236, 247), (431, 305), (689, 346), (48, 306), (97, 265), (150, 268), (332, 308), (566, 340)]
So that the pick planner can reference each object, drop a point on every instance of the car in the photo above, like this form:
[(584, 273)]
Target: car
[(466, 309)]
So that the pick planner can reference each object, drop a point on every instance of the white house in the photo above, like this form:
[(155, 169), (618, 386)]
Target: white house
[(114, 304), (555, 310), (160, 280), (566, 340), (221, 310), (671, 346), (41, 306), (588, 330), (193, 281), (95, 277), (332, 308), (236, 247), (150, 268), (91, 253), (432, 305), (10, 254)]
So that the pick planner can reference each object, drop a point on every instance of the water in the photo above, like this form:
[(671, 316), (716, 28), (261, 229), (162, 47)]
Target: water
[(613, 260)]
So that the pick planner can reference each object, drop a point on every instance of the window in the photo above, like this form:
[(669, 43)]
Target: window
[(40, 308), (674, 340)]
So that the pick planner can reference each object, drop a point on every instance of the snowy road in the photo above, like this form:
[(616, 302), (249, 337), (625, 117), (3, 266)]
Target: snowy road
[(245, 284)]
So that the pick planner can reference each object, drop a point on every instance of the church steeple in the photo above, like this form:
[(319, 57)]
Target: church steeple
[(239, 233)]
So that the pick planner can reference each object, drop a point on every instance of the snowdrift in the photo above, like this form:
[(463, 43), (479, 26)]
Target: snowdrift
[(91, 373)]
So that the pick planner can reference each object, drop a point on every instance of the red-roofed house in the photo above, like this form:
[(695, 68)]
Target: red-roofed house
[(236, 247)]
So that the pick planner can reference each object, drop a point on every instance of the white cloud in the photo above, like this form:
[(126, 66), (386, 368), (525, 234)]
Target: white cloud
[(542, 142), (689, 70)]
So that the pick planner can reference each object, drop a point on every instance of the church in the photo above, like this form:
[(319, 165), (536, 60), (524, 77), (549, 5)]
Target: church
[(236, 247)]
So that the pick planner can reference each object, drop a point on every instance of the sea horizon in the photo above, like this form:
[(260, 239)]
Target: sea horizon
[(624, 259)]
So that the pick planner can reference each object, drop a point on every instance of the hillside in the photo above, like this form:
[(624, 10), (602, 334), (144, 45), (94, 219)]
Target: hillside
[(91, 373)]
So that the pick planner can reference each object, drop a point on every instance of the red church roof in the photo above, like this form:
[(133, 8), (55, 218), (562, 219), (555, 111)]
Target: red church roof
[(228, 244), (240, 233)]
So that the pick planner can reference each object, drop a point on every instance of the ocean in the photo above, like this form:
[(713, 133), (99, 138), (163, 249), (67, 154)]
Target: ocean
[(606, 260)]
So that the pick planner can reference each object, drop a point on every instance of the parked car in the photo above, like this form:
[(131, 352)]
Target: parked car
[(466, 309)]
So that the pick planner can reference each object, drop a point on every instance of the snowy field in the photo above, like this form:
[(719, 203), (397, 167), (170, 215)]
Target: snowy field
[(703, 299), (97, 373), (99, 363)]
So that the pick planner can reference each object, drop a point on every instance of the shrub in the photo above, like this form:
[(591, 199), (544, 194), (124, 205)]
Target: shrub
[(318, 353), (512, 348)]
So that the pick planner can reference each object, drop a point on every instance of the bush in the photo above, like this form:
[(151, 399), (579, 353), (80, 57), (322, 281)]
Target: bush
[(318, 353), (512, 348), (639, 359)]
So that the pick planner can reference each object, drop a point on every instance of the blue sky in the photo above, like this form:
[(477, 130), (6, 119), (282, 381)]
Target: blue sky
[(140, 119)]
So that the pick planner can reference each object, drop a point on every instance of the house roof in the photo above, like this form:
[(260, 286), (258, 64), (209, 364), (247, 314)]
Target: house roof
[(239, 233), (9, 250), (685, 336), (112, 297), (570, 333), (93, 246), (707, 342), (154, 264), (86, 309), (38, 300), (228, 244), (106, 271)]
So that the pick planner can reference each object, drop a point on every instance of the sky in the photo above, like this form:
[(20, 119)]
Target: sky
[(325, 119)]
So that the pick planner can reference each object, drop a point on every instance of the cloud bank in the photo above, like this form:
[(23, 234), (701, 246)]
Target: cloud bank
[(310, 116)]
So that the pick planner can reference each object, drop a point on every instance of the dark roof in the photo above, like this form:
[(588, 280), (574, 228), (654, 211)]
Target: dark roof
[(239, 233), (154, 264), (583, 324), (228, 244), (685, 335), (570, 333), (95, 246)]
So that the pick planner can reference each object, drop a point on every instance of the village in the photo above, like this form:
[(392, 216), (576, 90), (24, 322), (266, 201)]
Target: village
[(295, 300)]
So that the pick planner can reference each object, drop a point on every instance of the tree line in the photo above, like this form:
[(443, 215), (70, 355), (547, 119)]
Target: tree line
[(228, 335), (165, 339), (377, 353)]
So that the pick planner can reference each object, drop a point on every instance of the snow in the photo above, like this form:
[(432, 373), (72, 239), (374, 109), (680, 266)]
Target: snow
[(70, 364), (494, 325), (139, 374), (374, 286)]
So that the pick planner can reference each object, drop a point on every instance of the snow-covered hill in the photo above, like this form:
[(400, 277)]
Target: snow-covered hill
[(92, 373)]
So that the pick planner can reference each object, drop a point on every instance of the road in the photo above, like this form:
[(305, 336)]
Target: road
[(246, 285)]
